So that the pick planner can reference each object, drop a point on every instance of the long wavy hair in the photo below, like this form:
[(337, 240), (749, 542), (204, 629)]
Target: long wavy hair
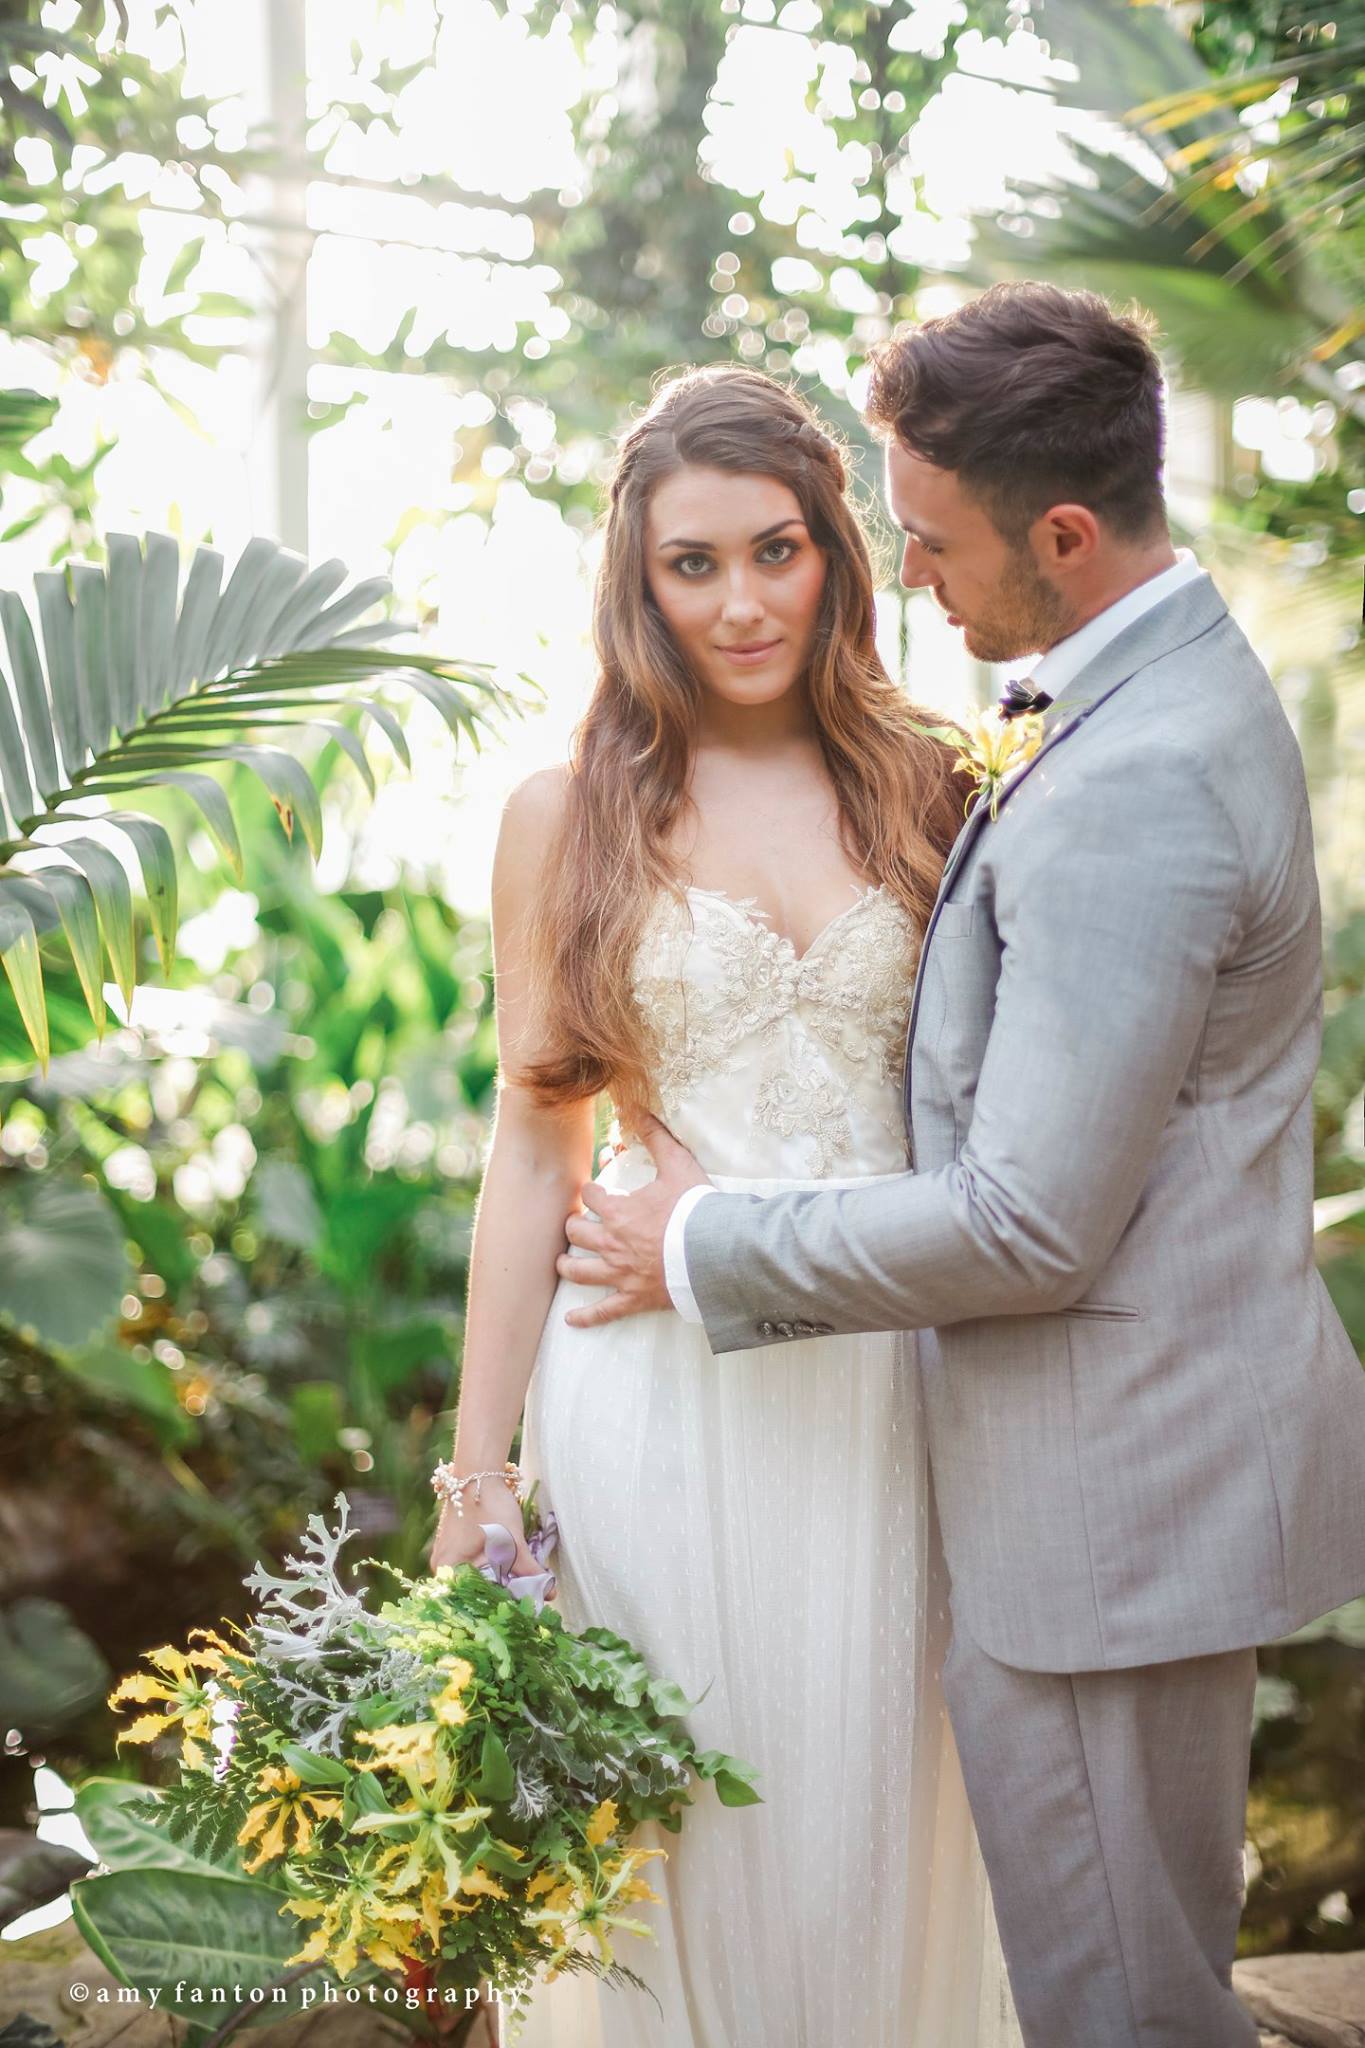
[(631, 754)]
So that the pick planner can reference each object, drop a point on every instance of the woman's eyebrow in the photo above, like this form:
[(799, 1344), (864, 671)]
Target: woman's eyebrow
[(767, 534)]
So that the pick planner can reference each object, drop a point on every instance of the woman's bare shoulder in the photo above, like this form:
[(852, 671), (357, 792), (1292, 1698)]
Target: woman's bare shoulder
[(539, 801), (531, 818)]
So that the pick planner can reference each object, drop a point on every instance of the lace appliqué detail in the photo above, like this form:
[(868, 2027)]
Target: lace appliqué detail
[(809, 1105), (848, 995)]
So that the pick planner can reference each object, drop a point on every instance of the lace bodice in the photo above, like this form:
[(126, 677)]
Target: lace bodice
[(770, 1062)]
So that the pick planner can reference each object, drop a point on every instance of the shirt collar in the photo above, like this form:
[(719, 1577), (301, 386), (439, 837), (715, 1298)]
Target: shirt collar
[(1062, 663)]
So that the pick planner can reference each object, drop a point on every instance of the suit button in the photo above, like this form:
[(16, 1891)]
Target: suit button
[(786, 1330), (765, 1329), (822, 1329), (804, 1329)]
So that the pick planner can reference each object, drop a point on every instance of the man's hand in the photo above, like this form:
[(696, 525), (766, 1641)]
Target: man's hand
[(627, 1244)]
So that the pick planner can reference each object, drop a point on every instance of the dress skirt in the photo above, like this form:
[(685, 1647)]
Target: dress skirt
[(760, 1526)]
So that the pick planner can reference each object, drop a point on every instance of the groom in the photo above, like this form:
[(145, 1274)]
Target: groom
[(1146, 1423)]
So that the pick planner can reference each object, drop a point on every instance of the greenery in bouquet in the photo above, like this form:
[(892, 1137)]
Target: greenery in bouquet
[(447, 1784)]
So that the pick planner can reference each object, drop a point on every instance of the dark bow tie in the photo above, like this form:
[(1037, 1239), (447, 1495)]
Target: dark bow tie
[(1018, 698)]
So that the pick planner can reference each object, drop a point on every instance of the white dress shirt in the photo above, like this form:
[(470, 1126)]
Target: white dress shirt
[(1059, 666)]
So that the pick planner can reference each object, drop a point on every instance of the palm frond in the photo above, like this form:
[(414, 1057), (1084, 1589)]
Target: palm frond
[(1250, 219), (131, 683)]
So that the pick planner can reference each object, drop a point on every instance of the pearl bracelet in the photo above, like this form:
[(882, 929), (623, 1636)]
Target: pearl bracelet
[(446, 1483)]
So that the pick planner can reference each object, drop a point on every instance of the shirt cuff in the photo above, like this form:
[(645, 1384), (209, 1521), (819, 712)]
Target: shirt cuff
[(675, 1257)]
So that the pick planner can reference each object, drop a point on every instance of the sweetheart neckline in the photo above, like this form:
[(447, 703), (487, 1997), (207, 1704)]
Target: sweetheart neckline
[(747, 908)]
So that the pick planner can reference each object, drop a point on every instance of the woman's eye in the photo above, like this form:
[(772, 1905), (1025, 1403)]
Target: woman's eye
[(778, 551), (692, 565)]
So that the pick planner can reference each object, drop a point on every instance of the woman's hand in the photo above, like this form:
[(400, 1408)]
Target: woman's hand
[(459, 1538)]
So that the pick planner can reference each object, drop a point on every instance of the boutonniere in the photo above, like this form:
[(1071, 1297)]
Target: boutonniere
[(989, 749), (993, 746)]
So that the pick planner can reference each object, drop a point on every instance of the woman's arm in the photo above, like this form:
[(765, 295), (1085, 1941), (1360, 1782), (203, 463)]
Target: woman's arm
[(538, 1158)]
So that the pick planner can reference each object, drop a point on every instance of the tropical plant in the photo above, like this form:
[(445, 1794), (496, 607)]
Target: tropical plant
[(138, 686), (1295, 175), (1196, 215)]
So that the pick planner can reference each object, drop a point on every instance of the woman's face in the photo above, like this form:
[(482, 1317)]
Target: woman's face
[(738, 579)]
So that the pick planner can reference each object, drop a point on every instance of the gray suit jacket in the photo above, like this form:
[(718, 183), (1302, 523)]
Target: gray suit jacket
[(1146, 1422)]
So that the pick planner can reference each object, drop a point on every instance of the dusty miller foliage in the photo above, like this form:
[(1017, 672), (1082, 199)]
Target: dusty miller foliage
[(319, 1655)]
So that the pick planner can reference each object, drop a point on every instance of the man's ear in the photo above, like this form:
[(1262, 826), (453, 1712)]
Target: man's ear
[(1065, 537)]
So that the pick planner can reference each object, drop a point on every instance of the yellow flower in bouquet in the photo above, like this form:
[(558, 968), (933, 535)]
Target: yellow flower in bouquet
[(270, 1819), (188, 1700), (587, 1902), (356, 1918)]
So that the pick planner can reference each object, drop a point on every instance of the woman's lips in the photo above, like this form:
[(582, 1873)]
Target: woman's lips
[(749, 657)]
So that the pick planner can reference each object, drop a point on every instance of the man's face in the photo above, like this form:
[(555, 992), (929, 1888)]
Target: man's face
[(996, 593)]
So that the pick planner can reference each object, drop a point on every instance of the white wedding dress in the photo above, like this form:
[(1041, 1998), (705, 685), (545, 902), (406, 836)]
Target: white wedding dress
[(759, 1526)]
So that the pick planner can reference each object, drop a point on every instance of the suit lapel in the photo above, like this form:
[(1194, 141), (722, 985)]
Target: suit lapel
[(1167, 626)]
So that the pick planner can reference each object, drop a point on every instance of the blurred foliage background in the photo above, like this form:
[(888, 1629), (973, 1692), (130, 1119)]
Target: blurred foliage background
[(383, 281)]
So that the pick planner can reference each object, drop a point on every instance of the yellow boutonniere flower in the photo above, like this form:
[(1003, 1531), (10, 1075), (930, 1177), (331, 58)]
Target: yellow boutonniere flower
[(992, 748)]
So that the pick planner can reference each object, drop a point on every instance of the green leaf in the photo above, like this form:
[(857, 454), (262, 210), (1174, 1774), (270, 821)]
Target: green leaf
[(92, 654), (120, 1817), (157, 1928), (19, 958), (313, 1769), (14, 779), (114, 901), (71, 892), (22, 415), (109, 1368), (212, 801), (157, 624), (290, 789), (187, 256), (279, 581), (232, 620), (50, 1671), (303, 606), (350, 746), (384, 717), (125, 628), (159, 880), (495, 1778), (35, 713), (33, 1873), (59, 646), (198, 607), (667, 1698), (63, 1267), (325, 627), (733, 1780), (364, 1794)]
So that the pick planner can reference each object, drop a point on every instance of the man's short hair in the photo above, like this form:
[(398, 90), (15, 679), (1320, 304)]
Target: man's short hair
[(1034, 396)]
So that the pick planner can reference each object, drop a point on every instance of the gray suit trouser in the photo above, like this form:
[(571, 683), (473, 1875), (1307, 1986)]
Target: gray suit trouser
[(1111, 1809)]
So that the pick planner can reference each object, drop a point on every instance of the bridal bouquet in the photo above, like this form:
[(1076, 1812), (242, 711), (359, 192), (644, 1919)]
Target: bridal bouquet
[(446, 1784)]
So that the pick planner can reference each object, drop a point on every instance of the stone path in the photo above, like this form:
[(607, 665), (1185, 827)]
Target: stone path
[(1300, 2002), (1306, 2001)]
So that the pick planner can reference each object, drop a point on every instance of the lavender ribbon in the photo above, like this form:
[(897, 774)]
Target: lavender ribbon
[(500, 1552)]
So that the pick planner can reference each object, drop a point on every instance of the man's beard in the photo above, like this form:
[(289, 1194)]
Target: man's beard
[(1026, 613)]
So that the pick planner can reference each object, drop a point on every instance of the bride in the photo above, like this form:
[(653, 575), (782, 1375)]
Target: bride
[(712, 911)]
